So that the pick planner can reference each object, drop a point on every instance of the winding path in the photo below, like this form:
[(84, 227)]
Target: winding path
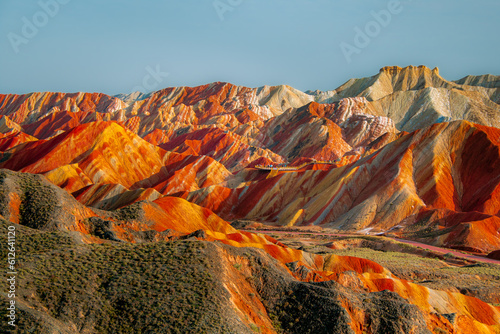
[(409, 242), (297, 168)]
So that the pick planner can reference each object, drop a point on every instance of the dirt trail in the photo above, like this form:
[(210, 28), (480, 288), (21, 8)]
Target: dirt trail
[(413, 243)]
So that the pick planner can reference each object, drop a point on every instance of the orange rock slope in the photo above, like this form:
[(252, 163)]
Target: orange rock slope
[(444, 179), (103, 153)]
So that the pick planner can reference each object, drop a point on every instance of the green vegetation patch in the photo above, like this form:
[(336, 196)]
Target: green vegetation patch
[(130, 212), (391, 260), (115, 288), (38, 199), (37, 202)]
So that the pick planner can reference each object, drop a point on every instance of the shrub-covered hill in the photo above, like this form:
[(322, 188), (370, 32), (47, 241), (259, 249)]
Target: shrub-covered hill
[(185, 286)]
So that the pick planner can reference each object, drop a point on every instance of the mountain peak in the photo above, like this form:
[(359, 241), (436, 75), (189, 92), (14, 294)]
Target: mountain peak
[(411, 68)]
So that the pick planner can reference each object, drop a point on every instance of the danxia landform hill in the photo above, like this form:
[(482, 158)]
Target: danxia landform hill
[(128, 207)]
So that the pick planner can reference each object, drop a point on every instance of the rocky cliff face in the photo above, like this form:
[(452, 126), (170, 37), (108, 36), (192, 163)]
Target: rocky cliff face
[(393, 190), (415, 97)]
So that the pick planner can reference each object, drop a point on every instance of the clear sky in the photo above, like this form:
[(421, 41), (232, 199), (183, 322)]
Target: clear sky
[(116, 46)]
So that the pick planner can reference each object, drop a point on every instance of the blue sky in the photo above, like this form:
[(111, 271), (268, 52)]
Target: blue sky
[(114, 46)]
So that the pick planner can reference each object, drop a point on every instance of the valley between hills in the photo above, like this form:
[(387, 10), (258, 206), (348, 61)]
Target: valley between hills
[(370, 208)]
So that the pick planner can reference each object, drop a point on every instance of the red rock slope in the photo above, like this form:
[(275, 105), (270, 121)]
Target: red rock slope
[(449, 171)]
